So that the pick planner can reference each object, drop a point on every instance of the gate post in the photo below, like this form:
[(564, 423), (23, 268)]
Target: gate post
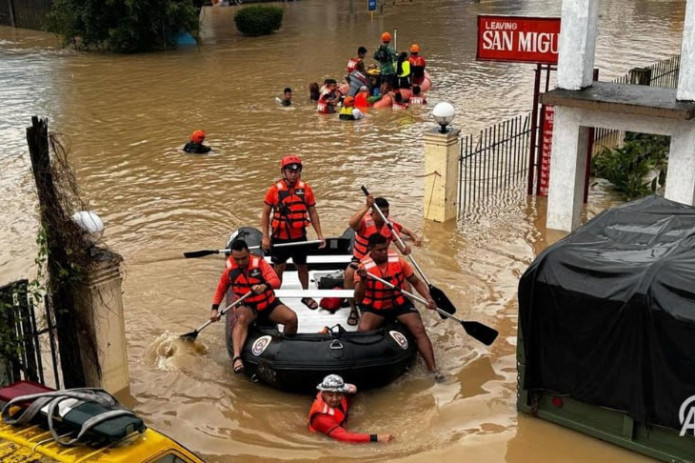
[(442, 151), (101, 301)]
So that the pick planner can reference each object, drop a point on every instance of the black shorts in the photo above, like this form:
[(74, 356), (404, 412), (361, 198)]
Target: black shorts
[(281, 254), (393, 312), (265, 313)]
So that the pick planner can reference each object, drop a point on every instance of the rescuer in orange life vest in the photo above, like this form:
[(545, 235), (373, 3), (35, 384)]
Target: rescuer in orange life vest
[(329, 412), (293, 207), (248, 273), (379, 302), (196, 146), (365, 223)]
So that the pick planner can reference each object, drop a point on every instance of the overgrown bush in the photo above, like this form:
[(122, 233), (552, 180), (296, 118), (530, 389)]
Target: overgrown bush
[(258, 20), (637, 168), (125, 26)]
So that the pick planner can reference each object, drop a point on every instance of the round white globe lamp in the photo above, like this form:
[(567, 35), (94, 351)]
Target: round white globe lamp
[(90, 223), (443, 113)]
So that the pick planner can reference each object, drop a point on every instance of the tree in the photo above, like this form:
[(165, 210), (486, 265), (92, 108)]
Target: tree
[(125, 26)]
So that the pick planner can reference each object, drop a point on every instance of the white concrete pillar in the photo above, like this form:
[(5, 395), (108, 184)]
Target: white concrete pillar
[(567, 170), (442, 151), (686, 75), (577, 44), (102, 304), (680, 181)]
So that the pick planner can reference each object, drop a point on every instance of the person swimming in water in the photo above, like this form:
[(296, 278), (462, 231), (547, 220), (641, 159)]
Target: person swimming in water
[(196, 146)]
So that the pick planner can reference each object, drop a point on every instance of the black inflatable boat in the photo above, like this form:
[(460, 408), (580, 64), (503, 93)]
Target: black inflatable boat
[(297, 363)]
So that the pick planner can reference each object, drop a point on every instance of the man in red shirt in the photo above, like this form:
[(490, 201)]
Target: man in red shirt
[(248, 273), (329, 412), (379, 301), (365, 223), (352, 63), (293, 207)]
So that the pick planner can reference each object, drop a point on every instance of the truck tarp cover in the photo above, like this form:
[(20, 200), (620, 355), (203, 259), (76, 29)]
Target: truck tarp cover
[(607, 314)]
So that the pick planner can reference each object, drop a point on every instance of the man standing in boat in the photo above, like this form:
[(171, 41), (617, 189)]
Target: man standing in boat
[(365, 224), (380, 301), (329, 412), (249, 273), (293, 207)]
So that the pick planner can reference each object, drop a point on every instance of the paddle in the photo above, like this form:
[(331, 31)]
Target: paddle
[(208, 252), (479, 331), (437, 294), (194, 334)]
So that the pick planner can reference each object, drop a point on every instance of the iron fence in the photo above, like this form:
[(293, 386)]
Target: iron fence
[(495, 161), (663, 74), (21, 353)]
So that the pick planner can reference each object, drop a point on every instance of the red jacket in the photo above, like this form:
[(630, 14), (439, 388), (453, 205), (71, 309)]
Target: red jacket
[(377, 295), (330, 421), (241, 280), (290, 208), (366, 229)]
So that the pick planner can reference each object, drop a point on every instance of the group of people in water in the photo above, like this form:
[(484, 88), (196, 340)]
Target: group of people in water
[(398, 81), (377, 275)]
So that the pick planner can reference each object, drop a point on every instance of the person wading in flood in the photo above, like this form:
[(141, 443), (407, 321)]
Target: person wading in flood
[(380, 302), (196, 146), (248, 273), (329, 412), (365, 224), (293, 207)]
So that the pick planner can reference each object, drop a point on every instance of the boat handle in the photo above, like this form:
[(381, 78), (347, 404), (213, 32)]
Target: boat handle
[(336, 345)]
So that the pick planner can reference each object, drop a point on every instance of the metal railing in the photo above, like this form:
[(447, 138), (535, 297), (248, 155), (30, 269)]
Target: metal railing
[(663, 74), (495, 161), (21, 353)]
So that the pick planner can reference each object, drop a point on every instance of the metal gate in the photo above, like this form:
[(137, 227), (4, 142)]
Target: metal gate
[(21, 353), (494, 162)]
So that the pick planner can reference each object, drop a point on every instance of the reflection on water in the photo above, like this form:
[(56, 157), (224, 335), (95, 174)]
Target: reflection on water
[(126, 118)]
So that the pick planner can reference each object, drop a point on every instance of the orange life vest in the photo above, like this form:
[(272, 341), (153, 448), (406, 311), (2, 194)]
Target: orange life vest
[(361, 241), (321, 407), (352, 64), (243, 279), (290, 211), (377, 295)]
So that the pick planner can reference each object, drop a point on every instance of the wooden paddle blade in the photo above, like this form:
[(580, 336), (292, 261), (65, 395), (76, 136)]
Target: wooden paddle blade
[(204, 252), (442, 301), (482, 333)]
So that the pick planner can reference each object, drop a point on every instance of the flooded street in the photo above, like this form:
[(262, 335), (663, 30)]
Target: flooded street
[(125, 119)]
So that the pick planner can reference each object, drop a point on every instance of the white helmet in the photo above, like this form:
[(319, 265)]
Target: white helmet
[(333, 383)]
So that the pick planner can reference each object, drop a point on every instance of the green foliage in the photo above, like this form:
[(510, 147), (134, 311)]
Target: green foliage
[(125, 26), (629, 167), (258, 20)]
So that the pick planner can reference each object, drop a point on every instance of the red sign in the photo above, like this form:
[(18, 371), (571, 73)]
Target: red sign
[(518, 39), (546, 147)]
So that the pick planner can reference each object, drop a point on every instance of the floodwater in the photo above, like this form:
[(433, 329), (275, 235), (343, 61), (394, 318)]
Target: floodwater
[(125, 119)]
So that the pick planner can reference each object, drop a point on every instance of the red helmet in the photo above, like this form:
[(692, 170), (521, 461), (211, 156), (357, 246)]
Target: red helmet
[(385, 37), (198, 136), (289, 160), (415, 48)]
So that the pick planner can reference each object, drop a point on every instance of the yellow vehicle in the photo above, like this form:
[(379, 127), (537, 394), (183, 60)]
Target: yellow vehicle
[(69, 427)]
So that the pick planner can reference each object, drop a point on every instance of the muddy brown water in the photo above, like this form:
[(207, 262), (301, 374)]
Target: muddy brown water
[(125, 119)]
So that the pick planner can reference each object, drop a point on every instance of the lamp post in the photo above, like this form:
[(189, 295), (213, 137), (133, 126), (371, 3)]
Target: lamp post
[(443, 114)]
